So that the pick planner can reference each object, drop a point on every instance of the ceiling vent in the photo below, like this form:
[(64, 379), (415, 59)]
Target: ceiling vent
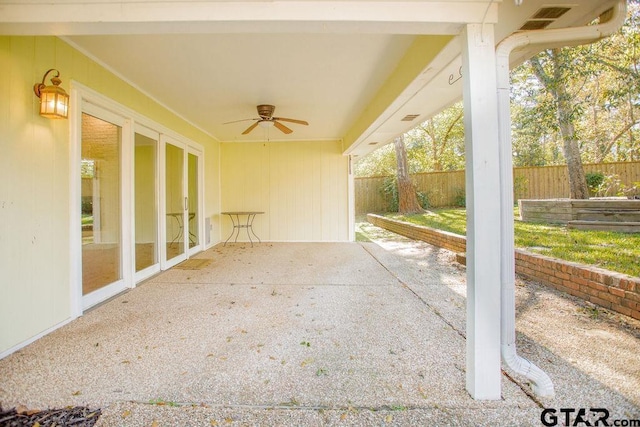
[(535, 25), (373, 143), (410, 117), (551, 12), (544, 17)]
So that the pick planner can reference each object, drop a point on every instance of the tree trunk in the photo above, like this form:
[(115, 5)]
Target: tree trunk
[(407, 197), (556, 85), (577, 181)]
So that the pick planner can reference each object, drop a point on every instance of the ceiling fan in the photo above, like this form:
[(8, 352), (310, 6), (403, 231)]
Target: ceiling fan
[(266, 119)]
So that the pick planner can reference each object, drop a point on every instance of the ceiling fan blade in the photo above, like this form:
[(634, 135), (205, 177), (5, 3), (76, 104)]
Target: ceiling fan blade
[(250, 128), (284, 119), (237, 121), (282, 127)]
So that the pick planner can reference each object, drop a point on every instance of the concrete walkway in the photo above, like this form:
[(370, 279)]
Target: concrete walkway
[(316, 334)]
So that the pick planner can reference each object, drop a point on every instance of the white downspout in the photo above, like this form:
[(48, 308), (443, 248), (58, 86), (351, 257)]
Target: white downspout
[(540, 382)]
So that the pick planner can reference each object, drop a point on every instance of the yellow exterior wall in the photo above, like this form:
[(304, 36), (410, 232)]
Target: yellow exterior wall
[(301, 187), (212, 188), (35, 181)]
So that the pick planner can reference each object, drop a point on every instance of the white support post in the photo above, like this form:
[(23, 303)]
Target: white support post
[(483, 212)]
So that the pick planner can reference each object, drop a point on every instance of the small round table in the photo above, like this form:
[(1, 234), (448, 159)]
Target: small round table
[(237, 225)]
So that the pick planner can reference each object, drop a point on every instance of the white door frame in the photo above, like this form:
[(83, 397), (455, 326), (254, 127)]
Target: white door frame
[(90, 101), (164, 141), (200, 216), (85, 302), (187, 148), (155, 268)]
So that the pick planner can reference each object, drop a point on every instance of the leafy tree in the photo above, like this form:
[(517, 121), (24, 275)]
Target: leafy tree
[(438, 143), (553, 68), (434, 145), (600, 94), (613, 96), (381, 162)]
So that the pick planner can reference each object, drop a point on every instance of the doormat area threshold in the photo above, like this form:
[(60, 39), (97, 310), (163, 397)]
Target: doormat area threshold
[(193, 264)]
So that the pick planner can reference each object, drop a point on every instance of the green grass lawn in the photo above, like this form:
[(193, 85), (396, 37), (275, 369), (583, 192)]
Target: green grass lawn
[(613, 251), (86, 219)]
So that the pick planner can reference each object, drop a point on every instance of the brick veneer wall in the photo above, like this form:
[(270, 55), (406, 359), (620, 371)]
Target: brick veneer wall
[(608, 289)]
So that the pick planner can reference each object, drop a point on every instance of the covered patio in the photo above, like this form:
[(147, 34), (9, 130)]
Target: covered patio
[(161, 122), (364, 333)]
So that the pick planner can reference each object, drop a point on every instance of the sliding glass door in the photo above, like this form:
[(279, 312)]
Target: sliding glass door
[(175, 204), (193, 181), (137, 199), (101, 206), (182, 177), (147, 254)]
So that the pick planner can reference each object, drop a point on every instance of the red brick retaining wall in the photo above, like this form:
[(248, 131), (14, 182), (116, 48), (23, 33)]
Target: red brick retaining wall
[(443, 239), (608, 289)]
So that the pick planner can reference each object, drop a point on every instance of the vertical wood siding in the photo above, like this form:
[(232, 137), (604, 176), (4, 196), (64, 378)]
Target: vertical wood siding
[(301, 187)]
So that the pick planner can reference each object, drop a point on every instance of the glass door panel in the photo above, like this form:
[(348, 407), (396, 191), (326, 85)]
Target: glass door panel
[(175, 201), (146, 218), (194, 220), (100, 203)]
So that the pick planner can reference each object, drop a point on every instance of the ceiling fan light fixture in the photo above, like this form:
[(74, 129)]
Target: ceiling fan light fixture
[(266, 120)]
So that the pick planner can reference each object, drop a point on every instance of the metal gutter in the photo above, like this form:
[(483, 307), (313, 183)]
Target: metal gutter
[(541, 384)]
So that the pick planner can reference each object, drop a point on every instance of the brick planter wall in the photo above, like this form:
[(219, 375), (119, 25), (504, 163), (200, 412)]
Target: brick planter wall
[(608, 289), (443, 239)]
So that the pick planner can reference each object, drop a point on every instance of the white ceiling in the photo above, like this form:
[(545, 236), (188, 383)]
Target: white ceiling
[(211, 79), (321, 61)]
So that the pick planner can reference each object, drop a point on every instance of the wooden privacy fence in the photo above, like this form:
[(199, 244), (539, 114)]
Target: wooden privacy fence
[(447, 188)]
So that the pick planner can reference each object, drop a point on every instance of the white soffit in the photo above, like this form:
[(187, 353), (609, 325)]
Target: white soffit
[(73, 17)]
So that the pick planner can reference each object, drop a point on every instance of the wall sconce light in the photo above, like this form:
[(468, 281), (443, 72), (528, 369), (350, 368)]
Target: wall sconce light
[(54, 101)]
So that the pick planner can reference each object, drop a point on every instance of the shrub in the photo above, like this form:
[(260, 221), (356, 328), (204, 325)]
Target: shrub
[(594, 181), (390, 192), (423, 199), (86, 205), (460, 199), (520, 187)]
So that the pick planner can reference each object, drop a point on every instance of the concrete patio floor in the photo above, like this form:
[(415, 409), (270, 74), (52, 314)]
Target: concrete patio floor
[(317, 334)]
